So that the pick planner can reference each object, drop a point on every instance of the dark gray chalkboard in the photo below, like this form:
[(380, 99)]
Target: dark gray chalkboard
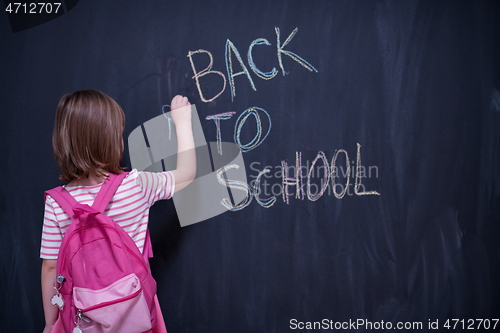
[(407, 92)]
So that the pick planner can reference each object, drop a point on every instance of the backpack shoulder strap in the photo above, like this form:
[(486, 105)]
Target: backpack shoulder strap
[(107, 191), (63, 198)]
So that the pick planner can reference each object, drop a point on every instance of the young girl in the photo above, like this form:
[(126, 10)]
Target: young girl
[(88, 145)]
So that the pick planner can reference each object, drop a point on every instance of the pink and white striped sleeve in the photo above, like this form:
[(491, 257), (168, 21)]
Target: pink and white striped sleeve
[(156, 185), (52, 234)]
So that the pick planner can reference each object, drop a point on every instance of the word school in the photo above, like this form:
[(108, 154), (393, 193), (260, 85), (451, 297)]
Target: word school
[(297, 180)]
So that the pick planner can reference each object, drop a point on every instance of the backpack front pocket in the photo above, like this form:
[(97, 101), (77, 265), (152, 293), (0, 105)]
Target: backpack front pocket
[(118, 308)]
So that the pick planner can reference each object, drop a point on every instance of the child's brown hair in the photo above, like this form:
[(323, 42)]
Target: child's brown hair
[(87, 134)]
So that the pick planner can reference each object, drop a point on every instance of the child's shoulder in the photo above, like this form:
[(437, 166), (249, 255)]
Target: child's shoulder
[(78, 189)]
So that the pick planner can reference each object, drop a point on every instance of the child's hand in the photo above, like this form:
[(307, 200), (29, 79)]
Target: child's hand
[(181, 110)]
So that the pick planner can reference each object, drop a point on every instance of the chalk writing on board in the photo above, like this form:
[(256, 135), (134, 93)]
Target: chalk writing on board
[(257, 139), (330, 173), (347, 174), (231, 52), (217, 118), (293, 177), (240, 122), (313, 197), (263, 75), (235, 184), (292, 181), (230, 49), (169, 119), (301, 184), (206, 71), (292, 55), (359, 176), (266, 203)]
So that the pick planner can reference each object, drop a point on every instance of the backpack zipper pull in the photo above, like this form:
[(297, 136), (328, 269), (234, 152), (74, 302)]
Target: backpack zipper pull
[(57, 298), (84, 317), (60, 279), (79, 316)]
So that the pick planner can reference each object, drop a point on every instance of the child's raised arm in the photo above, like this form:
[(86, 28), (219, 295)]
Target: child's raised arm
[(186, 155)]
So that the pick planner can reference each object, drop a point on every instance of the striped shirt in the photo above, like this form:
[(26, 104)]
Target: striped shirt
[(129, 207)]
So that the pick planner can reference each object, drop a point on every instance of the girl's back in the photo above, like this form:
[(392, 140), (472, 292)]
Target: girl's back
[(129, 208)]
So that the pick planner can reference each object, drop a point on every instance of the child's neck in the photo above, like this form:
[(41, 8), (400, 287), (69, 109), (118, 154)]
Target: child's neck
[(91, 180)]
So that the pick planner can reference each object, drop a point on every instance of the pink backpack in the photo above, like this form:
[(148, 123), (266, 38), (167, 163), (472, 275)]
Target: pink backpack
[(103, 281)]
